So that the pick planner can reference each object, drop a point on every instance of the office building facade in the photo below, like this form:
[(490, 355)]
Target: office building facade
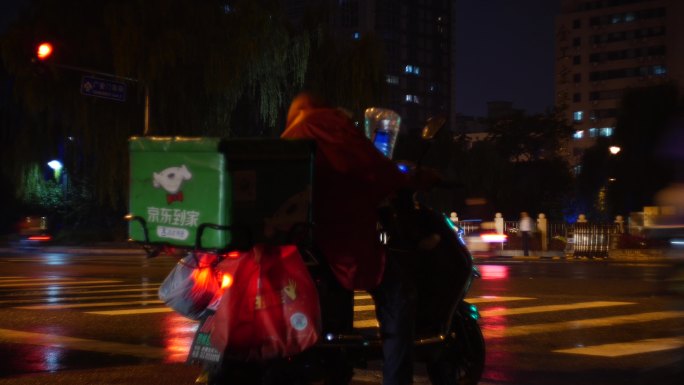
[(604, 47)]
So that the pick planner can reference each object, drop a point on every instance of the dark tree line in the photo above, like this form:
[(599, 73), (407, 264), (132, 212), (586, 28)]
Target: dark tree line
[(209, 68), (518, 167), (649, 121)]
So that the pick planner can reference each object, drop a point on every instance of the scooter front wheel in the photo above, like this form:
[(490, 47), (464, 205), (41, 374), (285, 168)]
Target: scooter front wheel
[(461, 359)]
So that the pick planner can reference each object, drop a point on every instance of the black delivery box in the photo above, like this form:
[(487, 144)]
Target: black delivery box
[(271, 183)]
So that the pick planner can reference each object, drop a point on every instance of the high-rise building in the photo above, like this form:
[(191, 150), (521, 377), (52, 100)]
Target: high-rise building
[(606, 46), (418, 41)]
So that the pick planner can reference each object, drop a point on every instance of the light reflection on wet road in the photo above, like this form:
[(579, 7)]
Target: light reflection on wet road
[(534, 316)]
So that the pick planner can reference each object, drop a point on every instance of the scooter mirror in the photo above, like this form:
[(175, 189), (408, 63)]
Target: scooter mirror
[(432, 127)]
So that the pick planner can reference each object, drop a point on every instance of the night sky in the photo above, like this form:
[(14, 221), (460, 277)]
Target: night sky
[(504, 51)]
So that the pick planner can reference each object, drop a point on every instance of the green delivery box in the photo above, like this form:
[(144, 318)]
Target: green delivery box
[(177, 184)]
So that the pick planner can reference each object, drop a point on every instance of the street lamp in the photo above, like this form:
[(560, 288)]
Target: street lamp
[(56, 166), (614, 149)]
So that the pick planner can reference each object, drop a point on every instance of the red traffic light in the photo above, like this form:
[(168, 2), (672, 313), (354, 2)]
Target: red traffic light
[(44, 51)]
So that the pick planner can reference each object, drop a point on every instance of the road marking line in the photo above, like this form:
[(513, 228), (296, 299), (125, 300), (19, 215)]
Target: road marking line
[(56, 300), (517, 331), (82, 305), (64, 342), (373, 323), (79, 291), (58, 283), (49, 279), (375, 377), (488, 299), (550, 308), (620, 349), (366, 323), (149, 310), (82, 288)]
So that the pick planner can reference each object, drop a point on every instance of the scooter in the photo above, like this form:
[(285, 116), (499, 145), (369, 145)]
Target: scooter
[(448, 337)]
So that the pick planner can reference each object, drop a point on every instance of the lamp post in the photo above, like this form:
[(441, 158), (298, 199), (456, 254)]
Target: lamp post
[(56, 167), (60, 174)]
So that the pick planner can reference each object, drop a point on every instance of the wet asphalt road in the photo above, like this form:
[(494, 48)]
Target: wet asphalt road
[(92, 317)]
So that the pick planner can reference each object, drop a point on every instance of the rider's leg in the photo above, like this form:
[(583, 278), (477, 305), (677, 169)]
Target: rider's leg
[(395, 308)]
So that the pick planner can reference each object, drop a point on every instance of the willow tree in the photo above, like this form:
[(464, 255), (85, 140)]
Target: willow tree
[(207, 68)]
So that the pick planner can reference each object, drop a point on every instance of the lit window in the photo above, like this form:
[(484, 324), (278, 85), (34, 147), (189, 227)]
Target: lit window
[(412, 99), (577, 116), (659, 70), (577, 170), (630, 17), (593, 132), (392, 79), (606, 131), (357, 35), (578, 134), (411, 69)]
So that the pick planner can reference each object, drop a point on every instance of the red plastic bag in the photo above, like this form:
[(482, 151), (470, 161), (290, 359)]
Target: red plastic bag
[(270, 309)]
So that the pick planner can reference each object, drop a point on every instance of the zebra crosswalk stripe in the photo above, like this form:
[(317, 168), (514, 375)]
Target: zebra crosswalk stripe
[(620, 349), (83, 305), (523, 330), (69, 283), (551, 308), (149, 310)]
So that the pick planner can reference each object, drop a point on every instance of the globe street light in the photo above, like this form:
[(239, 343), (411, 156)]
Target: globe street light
[(55, 165)]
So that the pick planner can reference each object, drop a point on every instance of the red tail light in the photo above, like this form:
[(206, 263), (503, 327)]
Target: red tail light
[(41, 238)]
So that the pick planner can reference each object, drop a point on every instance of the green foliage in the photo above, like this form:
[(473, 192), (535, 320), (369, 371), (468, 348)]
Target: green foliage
[(517, 168), (348, 73), (39, 193), (527, 138)]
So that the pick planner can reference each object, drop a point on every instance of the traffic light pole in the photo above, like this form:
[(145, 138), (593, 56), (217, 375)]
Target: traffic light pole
[(146, 128)]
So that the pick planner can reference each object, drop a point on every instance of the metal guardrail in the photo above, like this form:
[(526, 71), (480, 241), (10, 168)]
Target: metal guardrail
[(591, 240)]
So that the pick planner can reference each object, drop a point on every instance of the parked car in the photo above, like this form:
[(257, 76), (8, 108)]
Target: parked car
[(32, 230)]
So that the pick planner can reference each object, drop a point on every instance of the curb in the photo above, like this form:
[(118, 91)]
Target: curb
[(75, 249), (650, 255)]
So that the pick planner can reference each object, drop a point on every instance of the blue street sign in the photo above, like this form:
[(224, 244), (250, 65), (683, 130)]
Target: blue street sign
[(101, 88)]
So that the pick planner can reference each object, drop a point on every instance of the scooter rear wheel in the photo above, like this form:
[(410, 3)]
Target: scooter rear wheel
[(461, 360)]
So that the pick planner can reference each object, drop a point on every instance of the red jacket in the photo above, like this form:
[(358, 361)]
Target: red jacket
[(351, 178)]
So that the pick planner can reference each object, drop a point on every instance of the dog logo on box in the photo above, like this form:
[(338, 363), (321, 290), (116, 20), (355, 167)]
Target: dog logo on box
[(171, 180)]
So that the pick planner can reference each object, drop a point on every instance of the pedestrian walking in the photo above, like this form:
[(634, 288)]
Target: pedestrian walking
[(525, 226)]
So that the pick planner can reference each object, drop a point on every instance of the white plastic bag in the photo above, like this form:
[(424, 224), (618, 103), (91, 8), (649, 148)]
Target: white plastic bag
[(191, 285)]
